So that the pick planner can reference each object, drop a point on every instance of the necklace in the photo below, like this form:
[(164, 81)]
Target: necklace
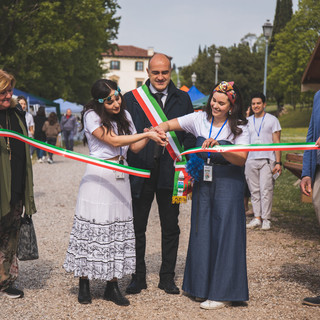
[(8, 125)]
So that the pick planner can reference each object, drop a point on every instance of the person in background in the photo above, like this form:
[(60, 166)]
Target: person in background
[(39, 120), (262, 167), (16, 186), (29, 118), (310, 177), (102, 242), (51, 128), (69, 128)]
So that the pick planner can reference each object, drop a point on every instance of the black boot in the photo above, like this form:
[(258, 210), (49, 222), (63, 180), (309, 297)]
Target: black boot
[(137, 284), (84, 296), (112, 293)]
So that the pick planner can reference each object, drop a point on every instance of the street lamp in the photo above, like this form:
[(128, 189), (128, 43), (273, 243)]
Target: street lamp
[(193, 78), (217, 59), (178, 78), (267, 32)]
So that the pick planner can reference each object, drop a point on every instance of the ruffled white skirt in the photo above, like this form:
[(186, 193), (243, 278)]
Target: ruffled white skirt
[(102, 240)]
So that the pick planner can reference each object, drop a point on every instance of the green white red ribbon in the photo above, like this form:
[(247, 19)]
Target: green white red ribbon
[(256, 147), (74, 155), (156, 116)]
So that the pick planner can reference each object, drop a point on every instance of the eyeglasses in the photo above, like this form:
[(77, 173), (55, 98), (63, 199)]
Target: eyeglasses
[(5, 92), (116, 94)]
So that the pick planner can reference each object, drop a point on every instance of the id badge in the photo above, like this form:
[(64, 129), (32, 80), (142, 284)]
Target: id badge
[(258, 141), (207, 172), (119, 175)]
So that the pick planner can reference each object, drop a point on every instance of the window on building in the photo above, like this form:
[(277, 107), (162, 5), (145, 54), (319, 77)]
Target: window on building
[(139, 65), (139, 83), (114, 65)]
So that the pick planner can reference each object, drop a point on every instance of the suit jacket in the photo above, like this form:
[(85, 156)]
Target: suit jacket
[(310, 156), (177, 104)]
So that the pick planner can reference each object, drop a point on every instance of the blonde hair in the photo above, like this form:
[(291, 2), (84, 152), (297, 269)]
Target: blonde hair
[(6, 80)]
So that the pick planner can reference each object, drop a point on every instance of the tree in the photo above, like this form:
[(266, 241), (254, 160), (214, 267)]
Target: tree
[(292, 51), (54, 47)]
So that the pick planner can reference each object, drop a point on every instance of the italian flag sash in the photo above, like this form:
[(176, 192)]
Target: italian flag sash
[(156, 116)]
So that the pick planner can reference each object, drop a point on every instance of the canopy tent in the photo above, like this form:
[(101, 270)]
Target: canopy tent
[(35, 100), (195, 94), (184, 88), (200, 103)]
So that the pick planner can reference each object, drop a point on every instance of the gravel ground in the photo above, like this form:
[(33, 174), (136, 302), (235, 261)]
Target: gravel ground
[(282, 268)]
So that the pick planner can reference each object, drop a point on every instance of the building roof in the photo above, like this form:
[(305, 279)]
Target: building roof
[(129, 52), (311, 77)]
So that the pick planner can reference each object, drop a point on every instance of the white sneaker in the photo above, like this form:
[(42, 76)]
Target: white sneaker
[(40, 161), (210, 304), (50, 161), (254, 223), (266, 225)]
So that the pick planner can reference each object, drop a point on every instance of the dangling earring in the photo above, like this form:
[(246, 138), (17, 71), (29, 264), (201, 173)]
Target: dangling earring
[(230, 112)]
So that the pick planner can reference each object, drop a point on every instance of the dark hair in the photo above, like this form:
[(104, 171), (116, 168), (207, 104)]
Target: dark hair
[(41, 112), (22, 98), (259, 95), (237, 114), (101, 89), (52, 118)]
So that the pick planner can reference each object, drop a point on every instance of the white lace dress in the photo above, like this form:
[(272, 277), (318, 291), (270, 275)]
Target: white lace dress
[(102, 240)]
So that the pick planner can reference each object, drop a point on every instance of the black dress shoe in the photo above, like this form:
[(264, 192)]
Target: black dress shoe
[(313, 301), (168, 286), (84, 296), (112, 293), (136, 285)]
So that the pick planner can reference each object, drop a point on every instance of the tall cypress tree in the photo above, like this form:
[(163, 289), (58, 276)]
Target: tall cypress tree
[(282, 16)]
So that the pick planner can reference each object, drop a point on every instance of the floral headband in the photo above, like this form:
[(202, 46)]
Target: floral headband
[(116, 93), (227, 88)]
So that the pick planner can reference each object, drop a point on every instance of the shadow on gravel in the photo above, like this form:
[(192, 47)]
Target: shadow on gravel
[(34, 274), (302, 274)]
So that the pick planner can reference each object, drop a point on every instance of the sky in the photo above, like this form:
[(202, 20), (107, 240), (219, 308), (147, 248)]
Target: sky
[(178, 27)]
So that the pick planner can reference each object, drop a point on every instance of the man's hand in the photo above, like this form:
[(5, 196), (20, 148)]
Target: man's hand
[(277, 168), (305, 186), (318, 142)]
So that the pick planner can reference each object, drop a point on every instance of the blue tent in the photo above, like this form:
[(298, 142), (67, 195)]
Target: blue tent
[(35, 100), (65, 105), (195, 94)]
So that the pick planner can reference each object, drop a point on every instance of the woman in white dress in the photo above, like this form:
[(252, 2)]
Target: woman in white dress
[(102, 241)]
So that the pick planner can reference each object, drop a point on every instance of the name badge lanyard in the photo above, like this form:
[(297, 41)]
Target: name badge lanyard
[(208, 160), (254, 124)]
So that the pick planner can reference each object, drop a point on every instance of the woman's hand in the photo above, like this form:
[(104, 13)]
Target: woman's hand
[(159, 137), (209, 143)]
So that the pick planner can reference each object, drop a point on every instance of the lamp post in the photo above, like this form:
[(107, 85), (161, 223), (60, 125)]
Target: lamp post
[(193, 78), (267, 32), (178, 78), (217, 59)]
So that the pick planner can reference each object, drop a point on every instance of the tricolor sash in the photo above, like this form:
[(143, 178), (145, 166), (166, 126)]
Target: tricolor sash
[(155, 115)]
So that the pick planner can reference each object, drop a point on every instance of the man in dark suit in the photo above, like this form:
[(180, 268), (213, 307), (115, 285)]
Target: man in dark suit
[(310, 177), (174, 103)]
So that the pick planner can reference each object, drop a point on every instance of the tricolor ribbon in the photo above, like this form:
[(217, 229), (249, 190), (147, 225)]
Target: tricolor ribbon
[(256, 147), (74, 155)]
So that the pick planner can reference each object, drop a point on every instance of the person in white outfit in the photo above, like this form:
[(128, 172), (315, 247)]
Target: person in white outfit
[(262, 167)]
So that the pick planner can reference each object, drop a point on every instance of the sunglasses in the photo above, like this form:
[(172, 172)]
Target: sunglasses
[(116, 94)]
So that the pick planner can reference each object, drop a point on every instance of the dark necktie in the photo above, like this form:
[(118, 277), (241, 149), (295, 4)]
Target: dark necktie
[(158, 97)]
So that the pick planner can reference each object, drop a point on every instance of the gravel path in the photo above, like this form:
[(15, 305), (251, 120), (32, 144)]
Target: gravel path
[(282, 268)]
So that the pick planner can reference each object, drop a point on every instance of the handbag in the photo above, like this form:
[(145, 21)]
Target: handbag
[(27, 247)]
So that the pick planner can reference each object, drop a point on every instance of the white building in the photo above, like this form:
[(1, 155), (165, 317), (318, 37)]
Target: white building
[(127, 66)]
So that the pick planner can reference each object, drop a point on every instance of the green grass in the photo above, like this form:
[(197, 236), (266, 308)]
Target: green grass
[(290, 213)]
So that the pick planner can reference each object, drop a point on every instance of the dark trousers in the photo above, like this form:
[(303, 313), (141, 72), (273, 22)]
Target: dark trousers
[(170, 231), (53, 142), (68, 139)]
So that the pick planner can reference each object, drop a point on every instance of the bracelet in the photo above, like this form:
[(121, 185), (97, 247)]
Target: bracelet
[(279, 163)]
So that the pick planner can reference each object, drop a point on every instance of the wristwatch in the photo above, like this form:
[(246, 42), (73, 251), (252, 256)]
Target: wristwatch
[(279, 163)]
